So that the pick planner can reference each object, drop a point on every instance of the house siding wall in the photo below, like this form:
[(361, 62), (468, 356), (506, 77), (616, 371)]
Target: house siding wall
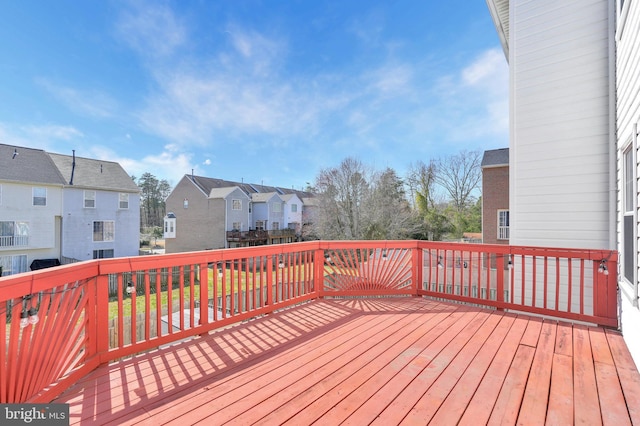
[(559, 178), (77, 225), (628, 115), (495, 196), (201, 226), (241, 216)]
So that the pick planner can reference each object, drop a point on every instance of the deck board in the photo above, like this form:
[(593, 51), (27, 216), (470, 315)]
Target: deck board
[(384, 361)]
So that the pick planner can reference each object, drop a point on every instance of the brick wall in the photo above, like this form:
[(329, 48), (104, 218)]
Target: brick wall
[(495, 196)]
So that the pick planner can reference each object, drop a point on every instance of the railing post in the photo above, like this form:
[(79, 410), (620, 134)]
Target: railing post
[(318, 275), (101, 329), (416, 279)]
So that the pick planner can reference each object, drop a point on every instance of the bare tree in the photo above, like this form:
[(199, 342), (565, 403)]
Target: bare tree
[(460, 176), (341, 192)]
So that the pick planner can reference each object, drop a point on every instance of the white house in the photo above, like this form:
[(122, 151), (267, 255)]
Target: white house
[(30, 208), (574, 111), (292, 212), (101, 209)]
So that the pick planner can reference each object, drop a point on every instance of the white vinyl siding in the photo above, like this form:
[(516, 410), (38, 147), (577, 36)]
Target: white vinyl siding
[(559, 179)]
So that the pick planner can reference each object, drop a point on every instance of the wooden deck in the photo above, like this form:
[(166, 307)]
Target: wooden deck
[(374, 361)]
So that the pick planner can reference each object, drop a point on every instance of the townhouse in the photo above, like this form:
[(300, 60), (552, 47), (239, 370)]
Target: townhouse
[(208, 213)]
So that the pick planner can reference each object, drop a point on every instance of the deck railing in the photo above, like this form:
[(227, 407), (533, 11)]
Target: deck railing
[(63, 322)]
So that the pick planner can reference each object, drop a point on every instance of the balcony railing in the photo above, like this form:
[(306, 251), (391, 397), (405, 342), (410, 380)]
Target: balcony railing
[(93, 312), (253, 235), (14, 241)]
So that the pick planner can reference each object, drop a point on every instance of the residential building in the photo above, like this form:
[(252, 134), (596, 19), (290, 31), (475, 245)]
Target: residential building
[(101, 209), (574, 113), (495, 196), (30, 208), (208, 213), (57, 209)]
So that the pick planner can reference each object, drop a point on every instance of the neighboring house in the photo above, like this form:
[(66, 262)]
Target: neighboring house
[(57, 207), (30, 208), (574, 114), (207, 213), (495, 196), (101, 209), (292, 212)]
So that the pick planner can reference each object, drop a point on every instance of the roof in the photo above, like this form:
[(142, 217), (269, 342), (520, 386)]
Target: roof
[(288, 197), (98, 174), (499, 10), (495, 157), (262, 198), (28, 165), (222, 192), (206, 184)]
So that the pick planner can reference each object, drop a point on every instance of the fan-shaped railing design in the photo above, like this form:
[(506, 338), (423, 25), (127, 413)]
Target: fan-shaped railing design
[(358, 270)]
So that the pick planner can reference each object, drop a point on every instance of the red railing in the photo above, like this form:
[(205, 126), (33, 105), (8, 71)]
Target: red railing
[(94, 312)]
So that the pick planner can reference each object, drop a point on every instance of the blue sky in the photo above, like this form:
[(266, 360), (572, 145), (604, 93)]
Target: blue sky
[(257, 91)]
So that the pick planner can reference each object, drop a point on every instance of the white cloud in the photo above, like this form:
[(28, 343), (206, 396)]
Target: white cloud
[(151, 29), (92, 103), (207, 162)]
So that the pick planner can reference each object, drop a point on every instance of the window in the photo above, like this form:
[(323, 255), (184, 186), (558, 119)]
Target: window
[(628, 220), (249, 207), (103, 254), (104, 230), (237, 226), (503, 224), (14, 234), (294, 208), (275, 226), (277, 207), (260, 225), (170, 225), (15, 264), (39, 196), (123, 201), (89, 199), (185, 203), (236, 204)]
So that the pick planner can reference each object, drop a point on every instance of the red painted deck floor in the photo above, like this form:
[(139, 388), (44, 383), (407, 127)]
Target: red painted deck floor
[(379, 361)]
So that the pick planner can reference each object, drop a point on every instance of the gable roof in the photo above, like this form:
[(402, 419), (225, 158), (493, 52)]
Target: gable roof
[(495, 157), (206, 184), (288, 197), (90, 173), (263, 198), (19, 164), (224, 192)]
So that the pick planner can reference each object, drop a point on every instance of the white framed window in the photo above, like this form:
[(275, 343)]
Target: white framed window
[(14, 234), (629, 200), (294, 208), (260, 225), (503, 224), (237, 226), (103, 254), (275, 226), (104, 230), (13, 264), (89, 199), (236, 204), (276, 207), (123, 201), (39, 196)]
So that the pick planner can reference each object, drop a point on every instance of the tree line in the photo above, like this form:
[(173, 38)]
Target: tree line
[(435, 201)]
